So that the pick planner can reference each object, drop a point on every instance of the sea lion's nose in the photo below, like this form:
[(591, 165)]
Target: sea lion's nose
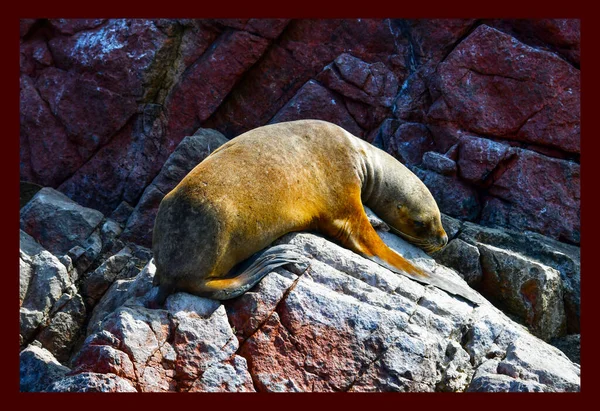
[(443, 240)]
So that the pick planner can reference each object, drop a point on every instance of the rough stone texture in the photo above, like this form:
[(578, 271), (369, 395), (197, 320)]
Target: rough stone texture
[(38, 369), (92, 382), (315, 101), (189, 153), (524, 288), (537, 193), (550, 253), (479, 157), (57, 222), (409, 143), (453, 197), (439, 163), (105, 102), (464, 258), (492, 84), (189, 346), (570, 345), (43, 279)]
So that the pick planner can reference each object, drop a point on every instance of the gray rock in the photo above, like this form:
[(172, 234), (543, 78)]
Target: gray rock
[(92, 382), (119, 292), (562, 257), (38, 369), (439, 163), (525, 288), (57, 222), (189, 153), (570, 345), (63, 329), (464, 258), (43, 280)]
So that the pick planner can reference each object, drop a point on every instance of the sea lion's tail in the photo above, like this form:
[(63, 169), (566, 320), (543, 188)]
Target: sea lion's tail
[(251, 271), (432, 278)]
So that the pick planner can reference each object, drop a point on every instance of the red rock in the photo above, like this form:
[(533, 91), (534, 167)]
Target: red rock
[(126, 56), (205, 83), (373, 84), (47, 154), (537, 193), (120, 170), (34, 55), (409, 143), (478, 157), (299, 54), (25, 25), (89, 113), (491, 84), (561, 36), (313, 101), (267, 28), (72, 26), (432, 39)]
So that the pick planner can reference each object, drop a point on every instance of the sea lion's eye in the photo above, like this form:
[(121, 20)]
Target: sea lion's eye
[(419, 224), (399, 206)]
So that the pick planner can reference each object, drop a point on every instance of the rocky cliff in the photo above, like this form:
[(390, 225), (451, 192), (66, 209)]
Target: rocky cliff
[(486, 112)]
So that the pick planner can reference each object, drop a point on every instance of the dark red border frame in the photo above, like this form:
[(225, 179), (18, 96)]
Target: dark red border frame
[(301, 9)]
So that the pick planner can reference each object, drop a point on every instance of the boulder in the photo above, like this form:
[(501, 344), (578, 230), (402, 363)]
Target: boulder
[(38, 369), (314, 101), (57, 222), (537, 193), (492, 84)]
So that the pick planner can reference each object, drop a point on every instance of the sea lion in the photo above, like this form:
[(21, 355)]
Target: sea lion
[(279, 178)]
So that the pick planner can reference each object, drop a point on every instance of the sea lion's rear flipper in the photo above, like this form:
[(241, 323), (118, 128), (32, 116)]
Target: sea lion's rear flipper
[(251, 271)]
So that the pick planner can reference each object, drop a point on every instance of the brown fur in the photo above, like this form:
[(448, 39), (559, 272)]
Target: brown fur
[(300, 175)]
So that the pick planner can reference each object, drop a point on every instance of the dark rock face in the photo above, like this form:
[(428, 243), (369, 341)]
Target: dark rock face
[(104, 102)]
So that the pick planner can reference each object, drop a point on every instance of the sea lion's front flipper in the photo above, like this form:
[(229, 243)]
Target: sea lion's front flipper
[(251, 271), (358, 235), (432, 278)]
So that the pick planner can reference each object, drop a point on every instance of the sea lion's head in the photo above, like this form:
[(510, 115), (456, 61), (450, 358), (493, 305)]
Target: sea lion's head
[(402, 200), (419, 224)]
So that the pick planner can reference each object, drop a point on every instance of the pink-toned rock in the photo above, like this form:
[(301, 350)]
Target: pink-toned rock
[(127, 56), (72, 26), (537, 193), (89, 113), (561, 36), (432, 39), (373, 84), (479, 157), (491, 84), (267, 28), (121, 169), (301, 53), (314, 101), (409, 143), (34, 55), (47, 154), (25, 25), (206, 82)]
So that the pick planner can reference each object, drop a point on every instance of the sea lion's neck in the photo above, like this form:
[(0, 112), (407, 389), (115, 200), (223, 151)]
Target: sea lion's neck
[(372, 176)]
